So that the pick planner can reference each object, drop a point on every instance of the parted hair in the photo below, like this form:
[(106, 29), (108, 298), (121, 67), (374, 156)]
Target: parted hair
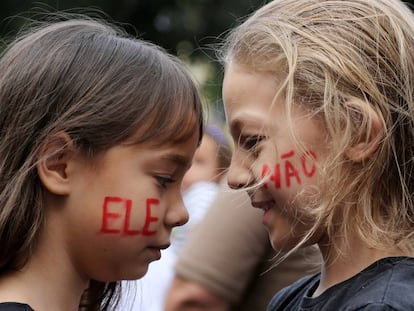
[(93, 81), (328, 53)]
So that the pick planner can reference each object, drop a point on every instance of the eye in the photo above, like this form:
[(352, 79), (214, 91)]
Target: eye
[(250, 143), (164, 181)]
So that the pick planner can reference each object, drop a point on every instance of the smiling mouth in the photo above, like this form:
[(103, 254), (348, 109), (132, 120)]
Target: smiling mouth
[(263, 205)]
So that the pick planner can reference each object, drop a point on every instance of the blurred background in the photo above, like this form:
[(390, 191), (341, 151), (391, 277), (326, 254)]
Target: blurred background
[(186, 28)]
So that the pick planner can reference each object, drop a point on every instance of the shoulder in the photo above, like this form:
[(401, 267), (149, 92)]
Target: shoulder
[(14, 306), (289, 298), (381, 286), (378, 287), (393, 276)]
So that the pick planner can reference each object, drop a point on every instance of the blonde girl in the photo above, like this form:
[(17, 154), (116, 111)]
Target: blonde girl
[(96, 132), (319, 99)]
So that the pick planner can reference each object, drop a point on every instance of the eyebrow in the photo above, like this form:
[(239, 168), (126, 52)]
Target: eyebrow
[(179, 159), (239, 123)]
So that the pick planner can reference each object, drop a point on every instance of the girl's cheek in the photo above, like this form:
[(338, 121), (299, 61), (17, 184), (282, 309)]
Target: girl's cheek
[(292, 170), (121, 216)]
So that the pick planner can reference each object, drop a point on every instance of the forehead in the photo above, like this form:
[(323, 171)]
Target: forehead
[(179, 154), (249, 97), (255, 105)]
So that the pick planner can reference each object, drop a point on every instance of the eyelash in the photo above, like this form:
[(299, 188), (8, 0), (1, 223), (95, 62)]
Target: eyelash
[(250, 143), (164, 181)]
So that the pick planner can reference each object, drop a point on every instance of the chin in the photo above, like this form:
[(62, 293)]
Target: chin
[(126, 275), (283, 244), (134, 275)]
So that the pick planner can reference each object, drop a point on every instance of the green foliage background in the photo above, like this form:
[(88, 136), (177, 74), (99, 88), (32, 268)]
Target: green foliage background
[(187, 28)]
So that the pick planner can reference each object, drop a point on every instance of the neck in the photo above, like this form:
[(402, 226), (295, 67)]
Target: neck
[(337, 268)]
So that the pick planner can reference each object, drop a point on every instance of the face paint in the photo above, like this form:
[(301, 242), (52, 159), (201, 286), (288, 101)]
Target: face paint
[(109, 217), (287, 169)]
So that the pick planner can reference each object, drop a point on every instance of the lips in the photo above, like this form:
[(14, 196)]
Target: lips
[(263, 205), (155, 250), (161, 246), (266, 207)]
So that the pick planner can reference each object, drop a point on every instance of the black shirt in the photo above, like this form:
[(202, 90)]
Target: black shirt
[(387, 284), (14, 306)]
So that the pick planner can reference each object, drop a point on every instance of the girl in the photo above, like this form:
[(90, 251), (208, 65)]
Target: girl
[(319, 100), (96, 132), (200, 186)]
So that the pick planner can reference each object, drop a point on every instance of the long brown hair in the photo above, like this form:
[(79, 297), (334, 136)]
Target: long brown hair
[(97, 84)]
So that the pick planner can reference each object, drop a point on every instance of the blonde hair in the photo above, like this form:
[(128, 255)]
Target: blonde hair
[(330, 52)]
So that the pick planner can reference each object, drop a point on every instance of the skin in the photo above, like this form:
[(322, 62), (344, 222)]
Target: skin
[(205, 164), (72, 248), (261, 133), (262, 136), (191, 296)]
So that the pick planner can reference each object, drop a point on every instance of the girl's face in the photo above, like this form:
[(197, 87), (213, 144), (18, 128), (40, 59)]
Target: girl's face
[(266, 152), (120, 213)]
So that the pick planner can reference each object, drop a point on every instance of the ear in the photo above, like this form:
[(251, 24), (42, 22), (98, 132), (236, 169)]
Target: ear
[(368, 128), (52, 166)]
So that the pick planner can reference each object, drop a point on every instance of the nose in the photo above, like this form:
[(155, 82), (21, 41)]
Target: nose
[(239, 173), (176, 214)]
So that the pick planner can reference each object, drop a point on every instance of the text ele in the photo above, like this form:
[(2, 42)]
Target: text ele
[(109, 217)]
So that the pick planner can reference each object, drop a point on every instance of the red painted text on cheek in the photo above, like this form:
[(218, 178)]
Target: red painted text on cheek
[(121, 207), (286, 173)]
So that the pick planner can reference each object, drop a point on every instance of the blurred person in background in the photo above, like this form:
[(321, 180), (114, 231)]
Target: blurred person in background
[(227, 262)]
